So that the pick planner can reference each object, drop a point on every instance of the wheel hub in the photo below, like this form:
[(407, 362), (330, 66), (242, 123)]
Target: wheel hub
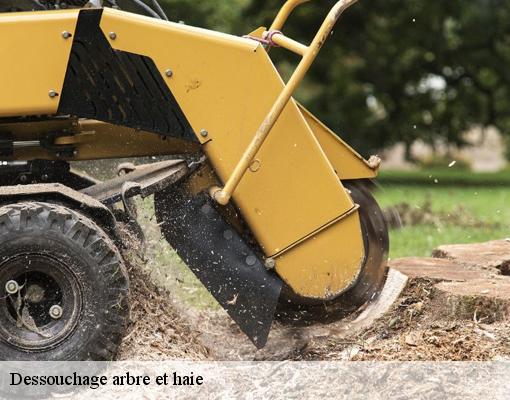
[(41, 303), (11, 287)]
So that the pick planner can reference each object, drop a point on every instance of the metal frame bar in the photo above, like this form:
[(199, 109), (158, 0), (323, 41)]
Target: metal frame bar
[(309, 54)]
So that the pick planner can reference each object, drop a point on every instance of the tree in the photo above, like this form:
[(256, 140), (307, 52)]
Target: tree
[(221, 15)]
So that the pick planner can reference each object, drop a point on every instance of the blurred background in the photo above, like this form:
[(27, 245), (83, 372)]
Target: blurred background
[(423, 84)]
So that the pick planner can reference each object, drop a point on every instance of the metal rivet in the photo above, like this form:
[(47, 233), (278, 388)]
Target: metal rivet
[(66, 34), (56, 312), (12, 287), (269, 263), (255, 165), (52, 93), (204, 133), (228, 234), (169, 73), (112, 35), (251, 260)]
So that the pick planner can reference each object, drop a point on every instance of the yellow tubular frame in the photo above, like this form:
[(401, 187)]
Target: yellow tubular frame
[(223, 195), (284, 13)]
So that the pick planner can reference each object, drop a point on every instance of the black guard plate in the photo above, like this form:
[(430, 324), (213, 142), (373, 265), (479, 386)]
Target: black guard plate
[(118, 87), (222, 261)]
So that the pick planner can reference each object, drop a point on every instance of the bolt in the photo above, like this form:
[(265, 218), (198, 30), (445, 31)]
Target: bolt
[(45, 177), (204, 133), (269, 263), (23, 178), (112, 35), (169, 73), (255, 166), (56, 312), (251, 260), (12, 287), (52, 93), (228, 234), (66, 35), (206, 209), (374, 162)]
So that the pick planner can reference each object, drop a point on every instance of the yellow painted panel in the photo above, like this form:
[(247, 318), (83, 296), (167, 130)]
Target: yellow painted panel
[(34, 60), (326, 264), (348, 164), (226, 85)]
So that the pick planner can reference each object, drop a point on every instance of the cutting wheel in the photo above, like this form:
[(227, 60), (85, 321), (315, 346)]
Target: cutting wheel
[(297, 309)]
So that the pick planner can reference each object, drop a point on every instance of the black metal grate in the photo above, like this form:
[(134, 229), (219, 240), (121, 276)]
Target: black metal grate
[(118, 87)]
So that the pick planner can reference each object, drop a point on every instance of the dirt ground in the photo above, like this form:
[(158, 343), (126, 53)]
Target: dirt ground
[(426, 322), (415, 330)]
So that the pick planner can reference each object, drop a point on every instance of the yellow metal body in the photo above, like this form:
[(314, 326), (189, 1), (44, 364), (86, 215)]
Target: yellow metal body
[(347, 163), (93, 140), (286, 184), (34, 60)]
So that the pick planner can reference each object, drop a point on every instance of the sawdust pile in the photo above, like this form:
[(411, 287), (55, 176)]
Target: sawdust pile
[(156, 330)]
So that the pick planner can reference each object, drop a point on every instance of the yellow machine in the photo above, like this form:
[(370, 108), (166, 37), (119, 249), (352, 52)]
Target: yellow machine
[(267, 206)]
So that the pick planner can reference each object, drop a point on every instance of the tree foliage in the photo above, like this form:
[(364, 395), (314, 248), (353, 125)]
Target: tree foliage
[(393, 70)]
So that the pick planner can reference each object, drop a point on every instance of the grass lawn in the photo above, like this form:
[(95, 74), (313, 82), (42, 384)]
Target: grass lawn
[(484, 214), (444, 176)]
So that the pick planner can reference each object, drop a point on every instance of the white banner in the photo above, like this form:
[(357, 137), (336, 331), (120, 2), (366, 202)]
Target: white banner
[(255, 380)]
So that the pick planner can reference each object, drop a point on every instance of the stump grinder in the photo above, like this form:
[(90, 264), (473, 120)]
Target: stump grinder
[(268, 207)]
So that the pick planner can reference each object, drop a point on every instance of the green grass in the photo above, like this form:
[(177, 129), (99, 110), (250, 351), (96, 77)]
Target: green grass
[(490, 206), (443, 176)]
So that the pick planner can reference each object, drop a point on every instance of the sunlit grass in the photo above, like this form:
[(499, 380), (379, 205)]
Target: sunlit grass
[(444, 176), (489, 205)]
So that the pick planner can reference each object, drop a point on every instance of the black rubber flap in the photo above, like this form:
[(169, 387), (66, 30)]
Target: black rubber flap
[(222, 261)]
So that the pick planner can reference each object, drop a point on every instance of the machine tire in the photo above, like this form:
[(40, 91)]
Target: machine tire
[(298, 310), (59, 257)]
